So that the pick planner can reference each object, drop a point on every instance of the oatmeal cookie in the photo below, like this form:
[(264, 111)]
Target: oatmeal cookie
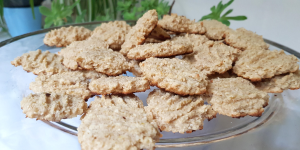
[(119, 85), (177, 23), (52, 107), (215, 30), (152, 40), (260, 64), (39, 62), (135, 68), (244, 39), (138, 34), (97, 58), (217, 58), (194, 39), (176, 113), (71, 83), (279, 83), (113, 33), (66, 35), (159, 34), (164, 49), (236, 97), (174, 75), (117, 122)]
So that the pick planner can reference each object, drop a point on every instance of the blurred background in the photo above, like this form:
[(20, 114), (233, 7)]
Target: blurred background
[(276, 20)]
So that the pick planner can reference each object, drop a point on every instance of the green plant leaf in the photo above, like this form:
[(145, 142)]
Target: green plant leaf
[(226, 22), (45, 11), (209, 16), (226, 5), (32, 8), (47, 25), (228, 12), (213, 9), (236, 18)]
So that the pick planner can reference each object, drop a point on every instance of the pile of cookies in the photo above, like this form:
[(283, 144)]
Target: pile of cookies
[(232, 70)]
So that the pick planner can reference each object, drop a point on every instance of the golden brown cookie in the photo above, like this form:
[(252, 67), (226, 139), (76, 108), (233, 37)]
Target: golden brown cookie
[(216, 58), (215, 30), (94, 57), (194, 39), (260, 64), (279, 83), (39, 62), (152, 40), (118, 85), (174, 75), (177, 23), (236, 97), (113, 33), (164, 49), (159, 34), (135, 68), (70, 83), (66, 35), (176, 113), (53, 107), (244, 39), (138, 34), (117, 122)]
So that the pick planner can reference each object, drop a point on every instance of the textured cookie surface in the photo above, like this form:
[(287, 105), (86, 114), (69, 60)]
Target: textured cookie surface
[(52, 107), (119, 85), (176, 113), (215, 30), (177, 23), (236, 97), (71, 83), (260, 64), (135, 68), (244, 39), (117, 122), (152, 40), (64, 36), (164, 49), (97, 58), (174, 75), (138, 34), (279, 83), (217, 58), (194, 39), (159, 34), (39, 62), (113, 33)]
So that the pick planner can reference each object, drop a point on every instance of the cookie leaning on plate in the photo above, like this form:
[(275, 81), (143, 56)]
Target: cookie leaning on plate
[(118, 85), (83, 55), (117, 122), (279, 83), (164, 49), (175, 113), (39, 62), (181, 24), (174, 75), (138, 33), (53, 107), (64, 36), (71, 83), (113, 33), (260, 64), (236, 97)]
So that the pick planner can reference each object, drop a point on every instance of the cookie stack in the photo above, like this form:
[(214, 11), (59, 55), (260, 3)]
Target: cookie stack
[(232, 70)]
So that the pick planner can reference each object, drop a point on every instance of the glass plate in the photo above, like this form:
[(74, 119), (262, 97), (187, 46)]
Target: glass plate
[(277, 128)]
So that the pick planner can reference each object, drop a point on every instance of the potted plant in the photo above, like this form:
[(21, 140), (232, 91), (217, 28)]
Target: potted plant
[(21, 16)]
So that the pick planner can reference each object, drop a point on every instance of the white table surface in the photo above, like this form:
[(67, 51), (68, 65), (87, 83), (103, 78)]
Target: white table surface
[(274, 19)]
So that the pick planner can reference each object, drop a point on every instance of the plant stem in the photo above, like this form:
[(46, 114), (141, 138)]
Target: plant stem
[(90, 10), (111, 7)]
